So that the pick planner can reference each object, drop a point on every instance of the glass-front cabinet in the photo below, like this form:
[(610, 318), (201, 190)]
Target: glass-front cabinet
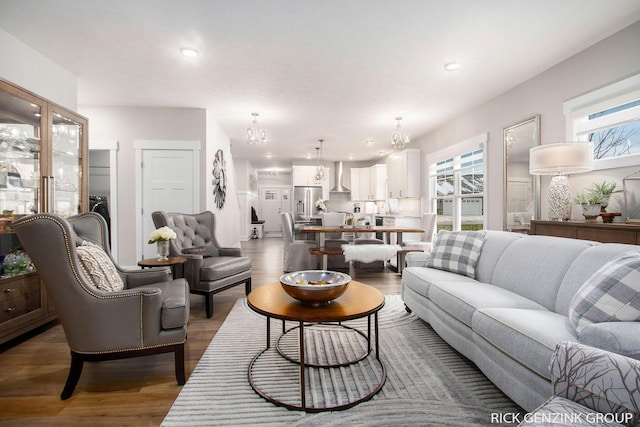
[(43, 164)]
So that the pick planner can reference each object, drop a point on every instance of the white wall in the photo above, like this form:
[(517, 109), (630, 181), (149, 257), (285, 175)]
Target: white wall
[(228, 228), (606, 62), (126, 124), (35, 72)]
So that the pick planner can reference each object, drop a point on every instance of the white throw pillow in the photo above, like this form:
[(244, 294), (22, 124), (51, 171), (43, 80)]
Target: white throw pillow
[(99, 268), (612, 294), (457, 251)]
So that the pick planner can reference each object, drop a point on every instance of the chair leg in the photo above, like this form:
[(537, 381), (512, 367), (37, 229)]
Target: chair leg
[(74, 375), (179, 361), (247, 286), (209, 304)]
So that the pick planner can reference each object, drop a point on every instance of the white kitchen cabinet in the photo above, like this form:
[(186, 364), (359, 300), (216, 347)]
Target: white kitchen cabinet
[(377, 182), (368, 184), (403, 174), (359, 184)]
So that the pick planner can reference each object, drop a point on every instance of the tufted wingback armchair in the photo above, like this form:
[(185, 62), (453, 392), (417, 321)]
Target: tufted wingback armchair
[(209, 268), (148, 316)]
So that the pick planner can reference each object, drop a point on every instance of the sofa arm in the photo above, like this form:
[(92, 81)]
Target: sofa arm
[(417, 259), (192, 269), (135, 277), (603, 381), (230, 251)]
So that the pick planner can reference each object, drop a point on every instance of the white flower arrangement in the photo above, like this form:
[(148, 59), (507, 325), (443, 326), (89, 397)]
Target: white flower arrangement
[(321, 205), (162, 234)]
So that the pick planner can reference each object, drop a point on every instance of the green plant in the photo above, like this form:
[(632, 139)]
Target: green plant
[(605, 188), (589, 197)]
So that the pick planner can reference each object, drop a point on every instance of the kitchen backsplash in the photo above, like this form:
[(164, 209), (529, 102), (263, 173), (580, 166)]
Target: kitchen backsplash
[(341, 202)]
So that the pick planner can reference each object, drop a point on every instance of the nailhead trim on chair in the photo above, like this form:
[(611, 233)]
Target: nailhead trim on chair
[(89, 291)]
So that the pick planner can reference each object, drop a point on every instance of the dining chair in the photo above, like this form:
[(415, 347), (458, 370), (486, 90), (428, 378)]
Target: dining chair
[(335, 240), (428, 224), (296, 252)]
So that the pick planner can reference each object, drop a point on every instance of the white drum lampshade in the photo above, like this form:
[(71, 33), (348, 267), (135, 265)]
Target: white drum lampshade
[(560, 160)]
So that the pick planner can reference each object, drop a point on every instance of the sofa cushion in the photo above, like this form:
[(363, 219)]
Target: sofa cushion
[(462, 298), (420, 279), (216, 268), (617, 337), (457, 251), (528, 336), (611, 294), (535, 266), (100, 270)]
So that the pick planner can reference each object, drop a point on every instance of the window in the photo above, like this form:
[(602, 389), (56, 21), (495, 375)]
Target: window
[(457, 186), (610, 118)]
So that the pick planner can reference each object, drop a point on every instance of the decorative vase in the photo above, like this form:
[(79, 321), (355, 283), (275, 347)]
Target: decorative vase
[(591, 212), (163, 250)]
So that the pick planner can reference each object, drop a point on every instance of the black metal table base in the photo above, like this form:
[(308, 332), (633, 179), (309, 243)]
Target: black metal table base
[(277, 366)]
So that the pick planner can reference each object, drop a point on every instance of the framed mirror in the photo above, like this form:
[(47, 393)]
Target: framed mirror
[(521, 189)]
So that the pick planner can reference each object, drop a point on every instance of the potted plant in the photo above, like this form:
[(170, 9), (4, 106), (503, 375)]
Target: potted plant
[(590, 202), (606, 189)]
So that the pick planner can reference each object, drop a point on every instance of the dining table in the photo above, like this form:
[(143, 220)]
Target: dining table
[(386, 230)]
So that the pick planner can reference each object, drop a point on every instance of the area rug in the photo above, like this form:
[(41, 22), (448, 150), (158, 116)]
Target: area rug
[(428, 383)]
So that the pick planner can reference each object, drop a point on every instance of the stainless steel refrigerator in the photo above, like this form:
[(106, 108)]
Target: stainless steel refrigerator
[(304, 199)]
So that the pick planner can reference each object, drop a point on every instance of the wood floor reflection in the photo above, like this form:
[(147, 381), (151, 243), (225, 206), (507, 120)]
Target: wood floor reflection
[(130, 392)]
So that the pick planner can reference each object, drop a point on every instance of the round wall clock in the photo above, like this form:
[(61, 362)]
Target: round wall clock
[(219, 179)]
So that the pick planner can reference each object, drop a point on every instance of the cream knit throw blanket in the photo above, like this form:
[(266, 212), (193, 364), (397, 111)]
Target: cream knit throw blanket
[(369, 253)]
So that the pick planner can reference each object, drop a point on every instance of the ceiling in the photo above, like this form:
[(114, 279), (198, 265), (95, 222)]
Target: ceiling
[(340, 70)]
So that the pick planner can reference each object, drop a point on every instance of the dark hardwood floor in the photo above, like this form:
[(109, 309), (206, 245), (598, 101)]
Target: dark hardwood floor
[(130, 392)]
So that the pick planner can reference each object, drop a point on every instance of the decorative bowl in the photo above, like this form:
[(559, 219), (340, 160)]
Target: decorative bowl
[(315, 286)]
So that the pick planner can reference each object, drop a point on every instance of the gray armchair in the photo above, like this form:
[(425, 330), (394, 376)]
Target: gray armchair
[(588, 382), (209, 268), (296, 252), (148, 316)]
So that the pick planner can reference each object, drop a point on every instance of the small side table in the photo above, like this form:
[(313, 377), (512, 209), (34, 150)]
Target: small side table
[(172, 262)]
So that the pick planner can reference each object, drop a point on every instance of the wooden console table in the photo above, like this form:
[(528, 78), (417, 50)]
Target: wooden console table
[(596, 231)]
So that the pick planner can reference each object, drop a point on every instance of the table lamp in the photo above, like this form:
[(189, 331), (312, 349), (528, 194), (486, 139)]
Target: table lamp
[(560, 160)]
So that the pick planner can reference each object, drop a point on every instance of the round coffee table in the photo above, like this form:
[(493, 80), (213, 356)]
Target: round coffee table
[(320, 321)]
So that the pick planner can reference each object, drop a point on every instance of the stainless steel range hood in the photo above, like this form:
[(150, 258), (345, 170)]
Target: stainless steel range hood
[(339, 188)]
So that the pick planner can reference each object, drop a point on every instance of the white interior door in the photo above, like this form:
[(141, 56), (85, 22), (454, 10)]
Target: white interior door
[(272, 202), (167, 185)]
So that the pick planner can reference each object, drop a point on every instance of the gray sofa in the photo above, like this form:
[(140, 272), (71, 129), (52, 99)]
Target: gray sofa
[(510, 317)]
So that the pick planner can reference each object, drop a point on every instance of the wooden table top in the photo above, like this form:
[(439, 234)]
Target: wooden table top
[(154, 262), (358, 229), (359, 300)]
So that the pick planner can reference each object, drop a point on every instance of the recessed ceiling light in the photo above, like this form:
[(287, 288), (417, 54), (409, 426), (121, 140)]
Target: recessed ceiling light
[(451, 66), (189, 52), (369, 142), (268, 155), (350, 157)]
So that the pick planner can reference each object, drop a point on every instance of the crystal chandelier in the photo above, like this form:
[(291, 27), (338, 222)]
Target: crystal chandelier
[(256, 136), (399, 139), (319, 177)]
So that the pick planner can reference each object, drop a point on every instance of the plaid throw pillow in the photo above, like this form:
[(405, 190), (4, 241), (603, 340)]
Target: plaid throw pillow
[(612, 294), (457, 251)]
